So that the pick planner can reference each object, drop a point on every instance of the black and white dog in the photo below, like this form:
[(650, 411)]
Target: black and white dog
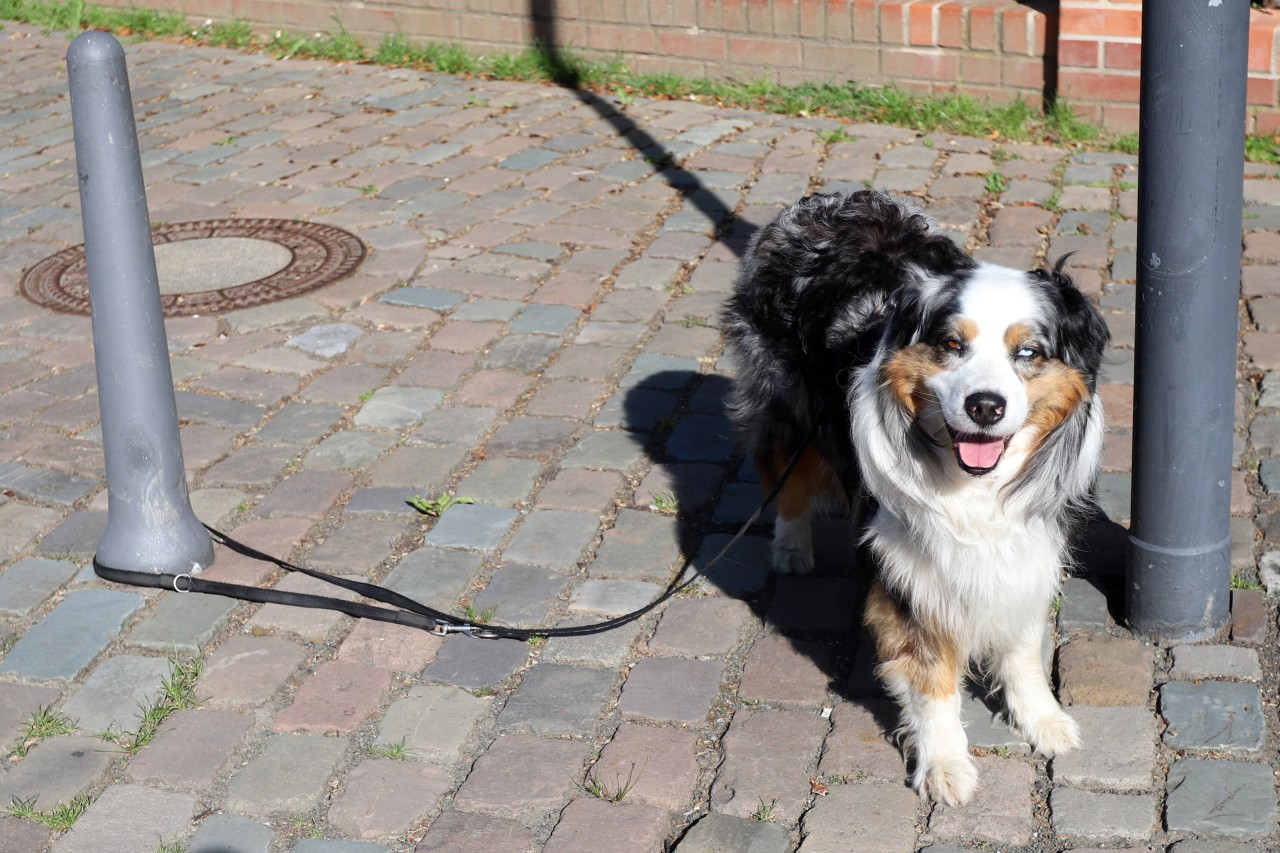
[(961, 397)]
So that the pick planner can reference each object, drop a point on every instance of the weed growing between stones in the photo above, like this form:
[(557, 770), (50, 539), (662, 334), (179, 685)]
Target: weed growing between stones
[(435, 506), (395, 751), (177, 693), (664, 501), (44, 723), (59, 819), (616, 793), (170, 847), (764, 812)]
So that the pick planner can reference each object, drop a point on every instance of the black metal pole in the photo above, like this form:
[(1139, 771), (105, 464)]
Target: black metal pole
[(1190, 178)]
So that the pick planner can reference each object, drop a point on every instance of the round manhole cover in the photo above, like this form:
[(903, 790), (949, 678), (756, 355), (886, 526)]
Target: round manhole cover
[(214, 266)]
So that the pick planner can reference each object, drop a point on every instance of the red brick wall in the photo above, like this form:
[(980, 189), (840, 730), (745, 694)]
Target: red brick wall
[(1087, 51), (990, 48), (1099, 51)]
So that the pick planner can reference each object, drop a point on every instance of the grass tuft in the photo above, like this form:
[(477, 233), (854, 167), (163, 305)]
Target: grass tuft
[(436, 506), (616, 792), (44, 723), (395, 751), (177, 693), (60, 818)]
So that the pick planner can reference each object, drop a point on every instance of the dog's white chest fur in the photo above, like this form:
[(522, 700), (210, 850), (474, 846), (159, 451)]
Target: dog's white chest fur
[(985, 582)]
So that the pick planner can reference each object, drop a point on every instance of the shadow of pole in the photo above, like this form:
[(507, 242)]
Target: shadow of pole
[(542, 14)]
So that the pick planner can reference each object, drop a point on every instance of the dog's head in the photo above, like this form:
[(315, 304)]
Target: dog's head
[(990, 359)]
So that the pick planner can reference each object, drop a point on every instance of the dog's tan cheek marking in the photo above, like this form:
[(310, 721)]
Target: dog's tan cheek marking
[(812, 477), (905, 373), (1053, 395), (926, 659)]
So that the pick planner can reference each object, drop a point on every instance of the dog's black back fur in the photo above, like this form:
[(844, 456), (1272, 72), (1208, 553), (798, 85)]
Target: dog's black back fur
[(812, 296)]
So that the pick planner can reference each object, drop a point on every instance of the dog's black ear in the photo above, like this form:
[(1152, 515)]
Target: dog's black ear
[(1082, 333)]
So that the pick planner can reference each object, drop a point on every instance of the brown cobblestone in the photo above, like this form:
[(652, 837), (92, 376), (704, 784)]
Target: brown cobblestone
[(339, 697), (244, 672), (591, 825), (656, 766), (383, 797), (754, 770), (1105, 671)]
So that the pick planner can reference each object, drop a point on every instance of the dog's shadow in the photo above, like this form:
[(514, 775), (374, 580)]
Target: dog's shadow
[(713, 490)]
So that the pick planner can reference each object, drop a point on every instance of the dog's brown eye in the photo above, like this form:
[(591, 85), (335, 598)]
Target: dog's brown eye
[(952, 345)]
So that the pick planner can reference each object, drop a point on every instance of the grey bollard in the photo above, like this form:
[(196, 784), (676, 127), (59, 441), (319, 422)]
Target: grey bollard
[(150, 525), (1190, 188)]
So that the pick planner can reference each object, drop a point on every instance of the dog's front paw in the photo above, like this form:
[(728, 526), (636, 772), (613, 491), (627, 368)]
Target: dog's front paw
[(792, 560), (950, 781), (792, 546), (1053, 733)]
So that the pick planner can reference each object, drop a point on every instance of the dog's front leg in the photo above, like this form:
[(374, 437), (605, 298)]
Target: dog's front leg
[(1021, 675), (921, 668)]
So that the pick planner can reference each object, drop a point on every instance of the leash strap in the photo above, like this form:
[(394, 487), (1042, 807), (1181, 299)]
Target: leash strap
[(404, 610)]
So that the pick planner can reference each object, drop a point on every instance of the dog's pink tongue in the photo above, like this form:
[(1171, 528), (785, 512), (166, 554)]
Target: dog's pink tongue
[(980, 454)]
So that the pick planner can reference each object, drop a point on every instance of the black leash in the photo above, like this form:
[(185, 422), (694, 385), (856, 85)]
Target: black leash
[(404, 610)]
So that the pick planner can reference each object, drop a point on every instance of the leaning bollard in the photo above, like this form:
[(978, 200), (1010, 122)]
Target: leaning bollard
[(150, 525)]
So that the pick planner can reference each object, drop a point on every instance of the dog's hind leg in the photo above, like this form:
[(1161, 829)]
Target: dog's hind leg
[(1022, 677), (793, 527), (921, 668)]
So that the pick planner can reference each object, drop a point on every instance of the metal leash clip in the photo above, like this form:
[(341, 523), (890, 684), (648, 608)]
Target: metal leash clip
[(444, 629)]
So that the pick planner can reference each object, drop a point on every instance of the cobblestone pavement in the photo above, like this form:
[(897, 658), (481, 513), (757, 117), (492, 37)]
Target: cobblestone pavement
[(534, 328)]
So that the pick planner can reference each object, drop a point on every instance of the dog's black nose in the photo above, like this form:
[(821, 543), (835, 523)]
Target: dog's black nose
[(984, 408)]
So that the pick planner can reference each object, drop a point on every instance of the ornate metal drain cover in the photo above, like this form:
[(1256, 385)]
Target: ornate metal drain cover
[(214, 266)]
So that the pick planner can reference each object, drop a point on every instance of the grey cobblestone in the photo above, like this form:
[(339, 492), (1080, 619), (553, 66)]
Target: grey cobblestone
[(56, 770), (1213, 715), (1196, 662), (475, 664), (61, 645), (1084, 607), (721, 833), (289, 775), (1118, 753), (475, 527), (1220, 798), (432, 721), (398, 407), (43, 484), (1102, 817), (222, 832), (111, 822), (115, 693), (26, 584), (865, 817), (553, 538), (183, 624), (557, 699)]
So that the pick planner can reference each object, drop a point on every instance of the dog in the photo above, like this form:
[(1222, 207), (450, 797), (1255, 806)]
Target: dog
[(960, 398)]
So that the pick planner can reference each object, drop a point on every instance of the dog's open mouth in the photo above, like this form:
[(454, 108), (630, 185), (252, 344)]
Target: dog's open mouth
[(977, 454)]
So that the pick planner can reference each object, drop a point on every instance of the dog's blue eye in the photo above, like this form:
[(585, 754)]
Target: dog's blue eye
[(1027, 353)]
